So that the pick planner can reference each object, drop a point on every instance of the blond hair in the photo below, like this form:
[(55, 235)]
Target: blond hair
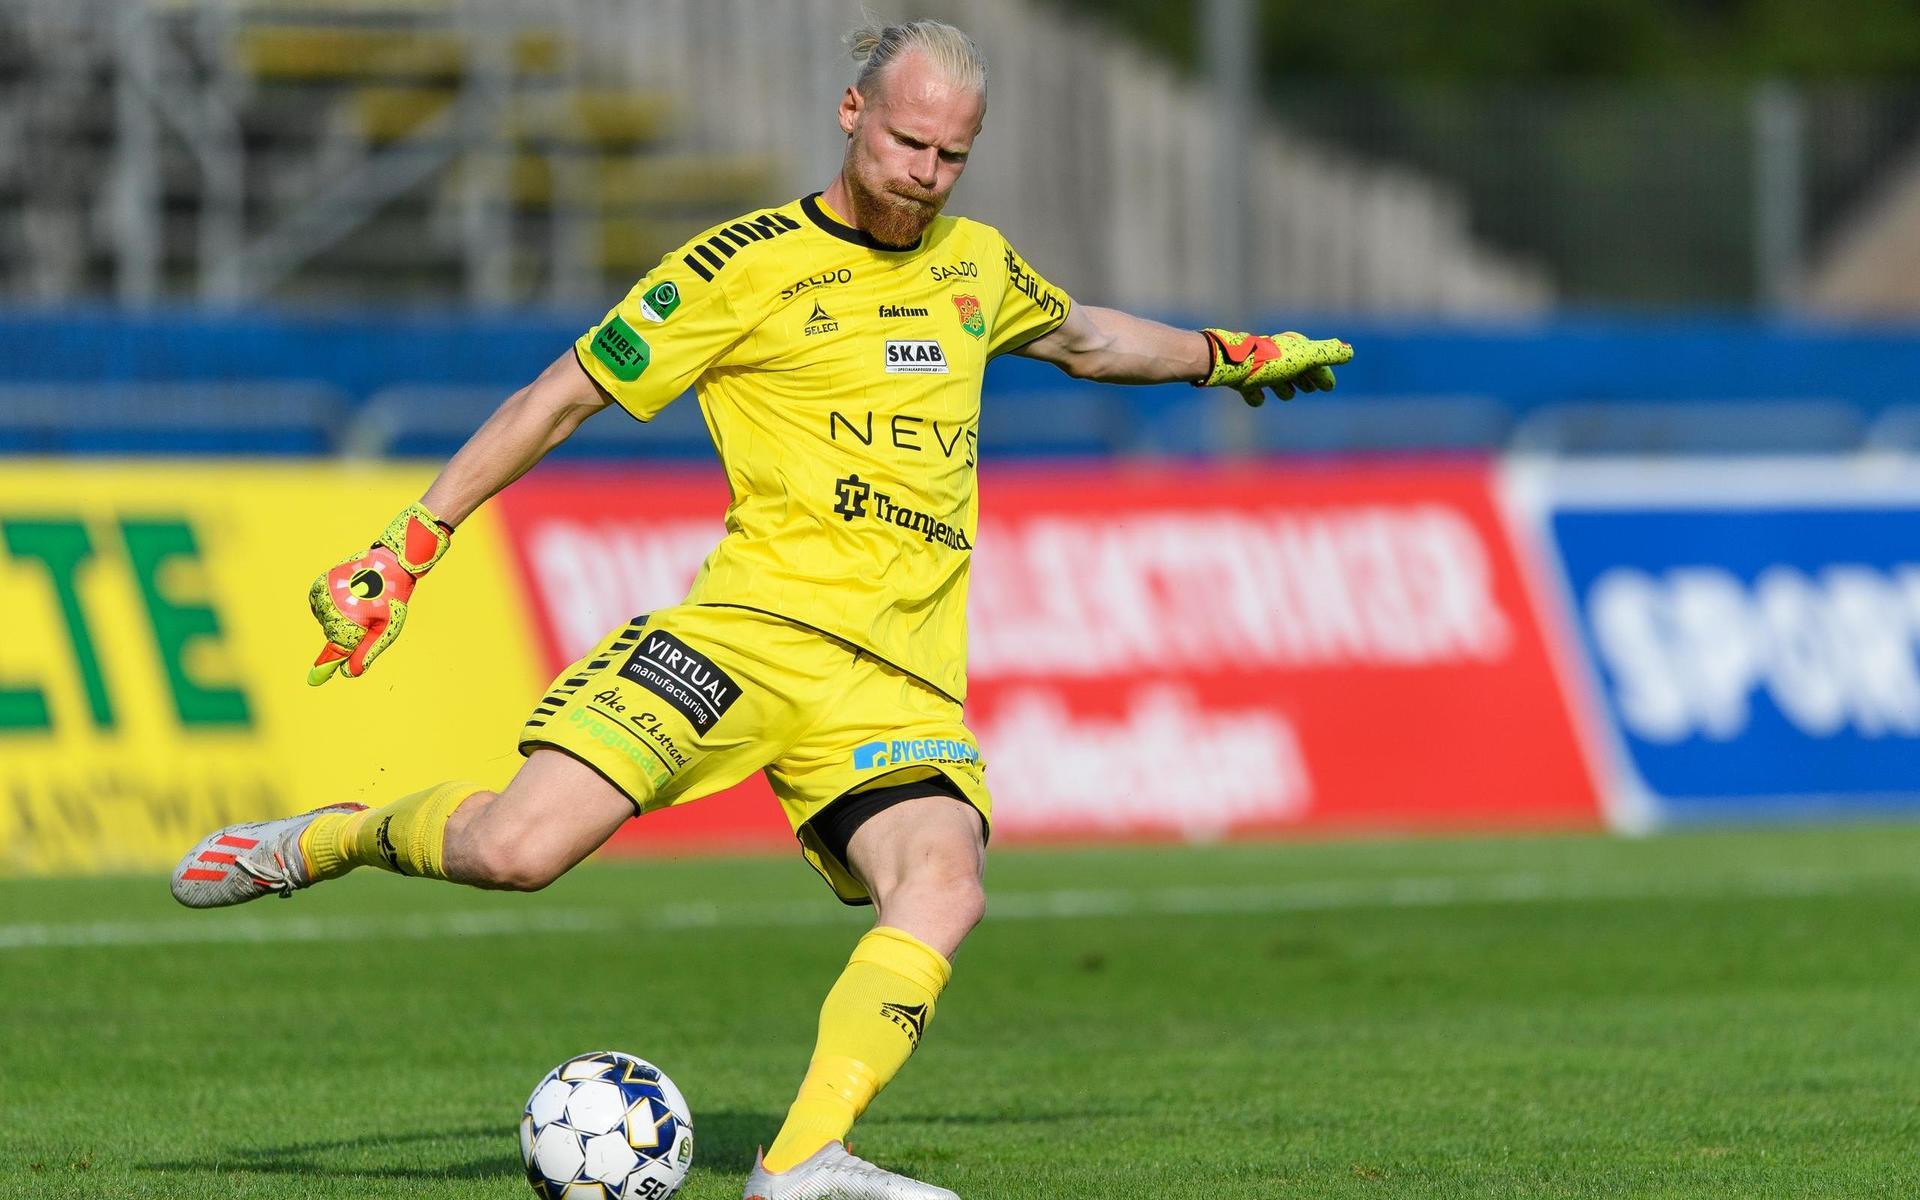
[(875, 44)]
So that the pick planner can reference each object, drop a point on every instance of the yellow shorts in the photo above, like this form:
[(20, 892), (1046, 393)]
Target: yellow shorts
[(686, 702)]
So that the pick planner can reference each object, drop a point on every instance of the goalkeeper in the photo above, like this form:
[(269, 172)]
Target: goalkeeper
[(837, 345)]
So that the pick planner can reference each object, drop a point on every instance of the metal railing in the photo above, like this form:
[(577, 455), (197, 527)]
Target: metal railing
[(544, 151), (173, 150)]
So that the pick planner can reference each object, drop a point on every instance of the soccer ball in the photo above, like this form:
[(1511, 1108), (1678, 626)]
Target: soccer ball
[(606, 1126)]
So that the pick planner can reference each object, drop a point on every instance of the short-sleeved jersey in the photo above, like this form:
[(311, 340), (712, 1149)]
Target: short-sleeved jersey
[(840, 379)]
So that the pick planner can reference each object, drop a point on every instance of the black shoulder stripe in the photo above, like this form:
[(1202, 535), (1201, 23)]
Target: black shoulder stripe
[(733, 238)]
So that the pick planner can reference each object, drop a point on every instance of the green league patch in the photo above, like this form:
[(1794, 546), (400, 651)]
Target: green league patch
[(623, 351), (658, 304)]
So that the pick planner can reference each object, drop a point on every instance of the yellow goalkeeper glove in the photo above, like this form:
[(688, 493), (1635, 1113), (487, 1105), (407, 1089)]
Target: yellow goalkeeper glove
[(1250, 363), (362, 602)]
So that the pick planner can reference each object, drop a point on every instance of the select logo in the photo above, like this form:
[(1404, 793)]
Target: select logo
[(915, 356), (820, 321)]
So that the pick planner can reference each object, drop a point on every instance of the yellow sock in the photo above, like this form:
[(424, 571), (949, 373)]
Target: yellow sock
[(870, 1024), (407, 837)]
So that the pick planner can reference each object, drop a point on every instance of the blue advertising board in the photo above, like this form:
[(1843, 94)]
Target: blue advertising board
[(1749, 630)]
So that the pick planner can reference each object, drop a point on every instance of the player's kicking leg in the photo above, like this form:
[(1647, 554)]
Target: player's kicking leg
[(555, 812), (922, 861)]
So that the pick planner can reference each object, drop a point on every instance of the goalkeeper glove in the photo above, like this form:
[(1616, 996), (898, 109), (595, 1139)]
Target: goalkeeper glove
[(362, 602), (1249, 363)]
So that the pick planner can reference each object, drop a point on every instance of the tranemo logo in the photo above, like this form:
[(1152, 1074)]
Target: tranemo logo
[(850, 497), (907, 752), (623, 351), (854, 497), (915, 357), (658, 304)]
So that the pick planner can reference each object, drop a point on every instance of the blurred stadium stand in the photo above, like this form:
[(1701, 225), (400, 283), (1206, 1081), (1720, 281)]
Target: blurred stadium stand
[(252, 417), (1897, 430), (512, 151), (433, 422), (105, 381), (1728, 427), (352, 226)]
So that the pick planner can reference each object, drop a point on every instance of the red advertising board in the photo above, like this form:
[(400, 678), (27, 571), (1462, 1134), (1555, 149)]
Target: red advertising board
[(1169, 652)]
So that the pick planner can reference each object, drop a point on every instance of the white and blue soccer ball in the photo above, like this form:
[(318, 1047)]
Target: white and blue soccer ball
[(606, 1126)]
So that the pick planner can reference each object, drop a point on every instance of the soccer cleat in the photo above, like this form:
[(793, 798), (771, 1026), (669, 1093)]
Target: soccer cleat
[(245, 862), (833, 1174)]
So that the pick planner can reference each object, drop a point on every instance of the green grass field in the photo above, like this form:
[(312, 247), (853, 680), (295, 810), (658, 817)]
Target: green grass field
[(1710, 1015)]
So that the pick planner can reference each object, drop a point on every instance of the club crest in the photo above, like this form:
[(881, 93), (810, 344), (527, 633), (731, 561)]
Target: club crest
[(971, 318)]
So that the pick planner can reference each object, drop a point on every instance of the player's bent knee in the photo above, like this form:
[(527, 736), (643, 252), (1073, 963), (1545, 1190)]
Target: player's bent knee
[(513, 866), (949, 901), (968, 906)]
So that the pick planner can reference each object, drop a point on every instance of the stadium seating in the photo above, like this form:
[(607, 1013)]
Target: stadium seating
[(433, 422), (255, 417), (347, 152), (1727, 427), (564, 144), (1386, 424), (1897, 430)]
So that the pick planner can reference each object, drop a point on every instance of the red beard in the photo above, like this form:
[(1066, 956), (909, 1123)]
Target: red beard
[(890, 217)]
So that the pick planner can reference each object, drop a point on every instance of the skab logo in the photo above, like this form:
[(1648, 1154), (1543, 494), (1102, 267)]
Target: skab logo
[(915, 356)]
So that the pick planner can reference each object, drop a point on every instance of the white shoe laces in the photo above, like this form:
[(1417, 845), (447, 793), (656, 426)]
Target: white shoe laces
[(277, 878)]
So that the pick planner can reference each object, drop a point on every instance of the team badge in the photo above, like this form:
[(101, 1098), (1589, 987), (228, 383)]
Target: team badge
[(971, 318)]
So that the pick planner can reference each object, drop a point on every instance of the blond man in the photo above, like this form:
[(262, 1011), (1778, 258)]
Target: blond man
[(837, 344)]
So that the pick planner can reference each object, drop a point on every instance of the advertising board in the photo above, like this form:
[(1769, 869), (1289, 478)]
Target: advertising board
[(1169, 653), (156, 643), (1166, 653), (1749, 630)]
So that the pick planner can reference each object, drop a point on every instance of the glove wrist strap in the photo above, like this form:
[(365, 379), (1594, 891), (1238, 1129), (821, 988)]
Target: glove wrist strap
[(1216, 357), (417, 538)]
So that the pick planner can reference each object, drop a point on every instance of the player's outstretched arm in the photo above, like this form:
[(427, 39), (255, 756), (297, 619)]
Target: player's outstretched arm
[(520, 433), (361, 603), (1110, 346)]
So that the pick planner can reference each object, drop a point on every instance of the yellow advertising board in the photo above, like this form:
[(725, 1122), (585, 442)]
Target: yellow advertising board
[(154, 642)]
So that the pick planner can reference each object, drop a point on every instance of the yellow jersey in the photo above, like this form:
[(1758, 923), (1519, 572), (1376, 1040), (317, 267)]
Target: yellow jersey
[(840, 379)]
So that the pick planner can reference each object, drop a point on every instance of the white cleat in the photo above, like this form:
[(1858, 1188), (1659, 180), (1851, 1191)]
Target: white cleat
[(833, 1174), (245, 862)]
